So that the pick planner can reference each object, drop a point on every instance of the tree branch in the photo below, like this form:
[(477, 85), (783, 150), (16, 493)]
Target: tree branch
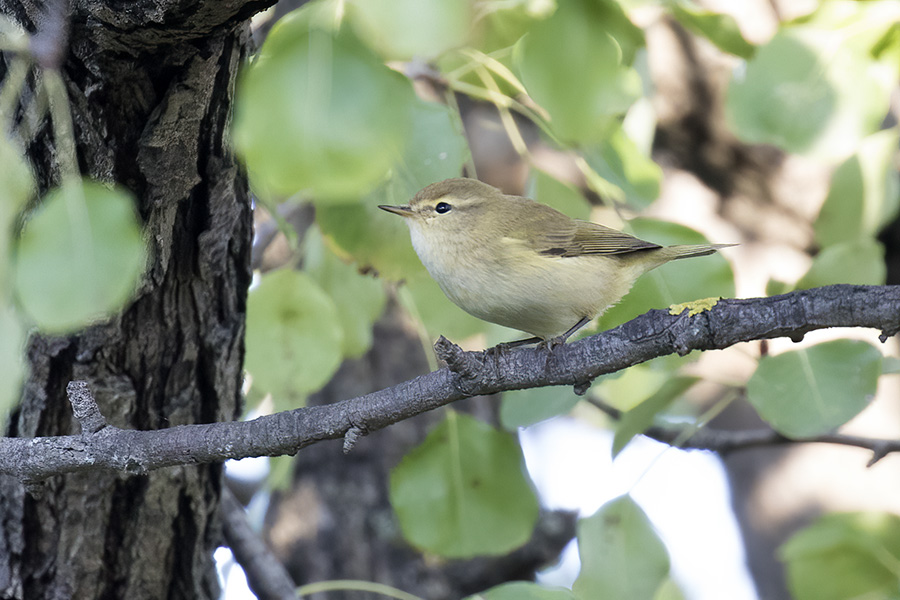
[(724, 442), (654, 334)]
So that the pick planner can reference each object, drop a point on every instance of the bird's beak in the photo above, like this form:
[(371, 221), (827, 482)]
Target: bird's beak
[(403, 211)]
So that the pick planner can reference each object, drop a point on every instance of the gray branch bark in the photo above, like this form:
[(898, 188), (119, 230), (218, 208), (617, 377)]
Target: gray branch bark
[(651, 335)]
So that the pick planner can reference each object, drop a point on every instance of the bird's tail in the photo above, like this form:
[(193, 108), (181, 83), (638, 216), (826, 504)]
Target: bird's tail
[(660, 256), (690, 250)]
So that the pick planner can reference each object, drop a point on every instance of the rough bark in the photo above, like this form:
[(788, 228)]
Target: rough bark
[(151, 88)]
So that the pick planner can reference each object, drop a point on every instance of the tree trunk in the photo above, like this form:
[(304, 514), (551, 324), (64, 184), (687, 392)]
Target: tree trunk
[(151, 88)]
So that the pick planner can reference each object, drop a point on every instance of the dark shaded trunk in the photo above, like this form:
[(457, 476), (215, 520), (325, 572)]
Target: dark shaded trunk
[(151, 90)]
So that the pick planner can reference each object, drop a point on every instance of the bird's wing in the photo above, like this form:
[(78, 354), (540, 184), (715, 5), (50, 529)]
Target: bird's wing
[(580, 238)]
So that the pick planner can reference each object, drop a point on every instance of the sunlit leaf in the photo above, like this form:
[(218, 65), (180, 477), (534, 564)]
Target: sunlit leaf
[(864, 194), (359, 299), (463, 492), (812, 391), (809, 91), (79, 257), (405, 29), (294, 337), (852, 555), (720, 29), (524, 590), (561, 196), (576, 64), (621, 554), (620, 162), (859, 262), (318, 111)]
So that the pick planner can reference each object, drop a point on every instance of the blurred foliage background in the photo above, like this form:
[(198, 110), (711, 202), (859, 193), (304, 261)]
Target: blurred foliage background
[(769, 124)]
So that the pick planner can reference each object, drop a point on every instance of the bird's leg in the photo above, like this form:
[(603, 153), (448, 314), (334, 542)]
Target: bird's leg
[(501, 348), (561, 339)]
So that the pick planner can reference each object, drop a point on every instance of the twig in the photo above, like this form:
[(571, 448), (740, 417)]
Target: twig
[(653, 334), (266, 575), (724, 442)]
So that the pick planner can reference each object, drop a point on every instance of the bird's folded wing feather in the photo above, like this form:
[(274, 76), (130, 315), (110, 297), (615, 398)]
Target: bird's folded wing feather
[(580, 238)]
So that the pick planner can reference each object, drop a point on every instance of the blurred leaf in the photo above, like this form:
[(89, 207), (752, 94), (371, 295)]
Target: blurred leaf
[(439, 315), (621, 555), (576, 65), (79, 258), (12, 361), (852, 555), (18, 187), (859, 262), (521, 408), (626, 389), (436, 149), (503, 23), (463, 492), (373, 238), (669, 590), (561, 196), (619, 161), (294, 337), (807, 91), (720, 29), (318, 111), (890, 366), (864, 194), (405, 29), (638, 419), (776, 288), (524, 590), (678, 281), (281, 472), (359, 299), (809, 392)]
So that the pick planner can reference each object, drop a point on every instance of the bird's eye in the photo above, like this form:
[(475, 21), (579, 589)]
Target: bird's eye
[(442, 207)]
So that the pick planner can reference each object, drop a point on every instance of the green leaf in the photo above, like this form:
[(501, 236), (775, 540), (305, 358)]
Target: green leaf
[(524, 590), (639, 418), (576, 65), (405, 29), (12, 360), (810, 392), (860, 262), (463, 492), (375, 239), (678, 281), (294, 337), (808, 92), (890, 366), (522, 408), (864, 194), (621, 555), (439, 315), (720, 29), (359, 299), (18, 187), (371, 237), (318, 111), (79, 258), (852, 555), (620, 162), (561, 196)]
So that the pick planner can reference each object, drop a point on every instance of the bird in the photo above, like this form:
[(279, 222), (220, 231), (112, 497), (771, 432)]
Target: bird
[(522, 264)]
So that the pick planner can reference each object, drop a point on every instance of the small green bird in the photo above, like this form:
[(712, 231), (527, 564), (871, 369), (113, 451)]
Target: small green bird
[(518, 263)]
